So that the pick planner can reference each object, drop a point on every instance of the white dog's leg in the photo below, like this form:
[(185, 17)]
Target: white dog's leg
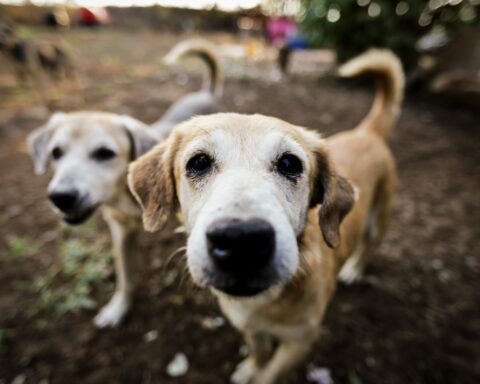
[(112, 313), (245, 371)]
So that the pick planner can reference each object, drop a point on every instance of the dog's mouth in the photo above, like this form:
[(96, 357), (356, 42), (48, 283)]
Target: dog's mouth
[(241, 290), (79, 216), (243, 287)]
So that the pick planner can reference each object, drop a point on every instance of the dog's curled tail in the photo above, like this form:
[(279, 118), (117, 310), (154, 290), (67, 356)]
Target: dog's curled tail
[(205, 51), (387, 69)]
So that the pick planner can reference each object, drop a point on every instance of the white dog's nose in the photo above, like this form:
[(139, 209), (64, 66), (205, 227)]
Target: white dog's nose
[(65, 200), (239, 247)]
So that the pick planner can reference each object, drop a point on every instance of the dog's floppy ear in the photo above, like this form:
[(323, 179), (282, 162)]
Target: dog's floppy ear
[(151, 180), (37, 142), (141, 140), (336, 196)]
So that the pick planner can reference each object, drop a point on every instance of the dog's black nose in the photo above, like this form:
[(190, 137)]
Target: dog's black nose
[(241, 246), (65, 201)]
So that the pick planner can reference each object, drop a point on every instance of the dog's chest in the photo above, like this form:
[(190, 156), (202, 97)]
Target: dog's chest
[(253, 319), (240, 315)]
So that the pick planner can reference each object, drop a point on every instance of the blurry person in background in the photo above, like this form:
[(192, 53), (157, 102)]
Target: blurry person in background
[(283, 33)]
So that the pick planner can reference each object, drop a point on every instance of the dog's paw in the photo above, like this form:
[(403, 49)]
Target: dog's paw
[(245, 372), (351, 272), (112, 314)]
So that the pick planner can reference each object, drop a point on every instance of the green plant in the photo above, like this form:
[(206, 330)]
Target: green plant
[(67, 287), (20, 247), (352, 26)]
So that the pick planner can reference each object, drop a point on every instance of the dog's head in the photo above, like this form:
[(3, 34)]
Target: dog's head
[(244, 185), (89, 153)]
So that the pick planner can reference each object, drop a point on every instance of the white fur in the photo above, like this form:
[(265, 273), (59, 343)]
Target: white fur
[(112, 314), (244, 372), (77, 170), (352, 270)]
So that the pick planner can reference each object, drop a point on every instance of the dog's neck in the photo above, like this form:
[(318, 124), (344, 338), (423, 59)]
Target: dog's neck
[(123, 206)]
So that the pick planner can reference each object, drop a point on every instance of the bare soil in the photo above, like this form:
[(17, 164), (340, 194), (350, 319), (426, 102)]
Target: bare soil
[(416, 319)]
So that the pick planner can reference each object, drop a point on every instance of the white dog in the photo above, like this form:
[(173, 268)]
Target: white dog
[(90, 152)]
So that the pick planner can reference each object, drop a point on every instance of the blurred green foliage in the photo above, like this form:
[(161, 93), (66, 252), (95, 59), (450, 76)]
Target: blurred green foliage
[(3, 337), (20, 247), (84, 267), (352, 26)]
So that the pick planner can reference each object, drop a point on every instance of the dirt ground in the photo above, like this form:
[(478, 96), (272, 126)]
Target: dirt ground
[(416, 318)]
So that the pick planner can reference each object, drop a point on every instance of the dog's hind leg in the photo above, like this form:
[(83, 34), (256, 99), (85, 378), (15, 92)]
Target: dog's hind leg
[(353, 268), (377, 222), (112, 313)]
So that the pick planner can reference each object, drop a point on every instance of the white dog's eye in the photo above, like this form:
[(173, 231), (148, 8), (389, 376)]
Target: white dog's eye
[(199, 165), (103, 154), (57, 153), (290, 166)]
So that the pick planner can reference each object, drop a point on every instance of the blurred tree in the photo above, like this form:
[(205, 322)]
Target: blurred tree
[(352, 26)]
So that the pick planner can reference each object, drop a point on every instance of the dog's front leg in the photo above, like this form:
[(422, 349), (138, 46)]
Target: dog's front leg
[(261, 348), (112, 313), (287, 356)]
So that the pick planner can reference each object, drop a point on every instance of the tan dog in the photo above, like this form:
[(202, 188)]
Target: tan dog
[(90, 152), (273, 212)]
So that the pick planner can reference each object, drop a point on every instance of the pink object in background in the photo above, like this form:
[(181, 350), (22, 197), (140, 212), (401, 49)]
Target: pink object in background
[(280, 30)]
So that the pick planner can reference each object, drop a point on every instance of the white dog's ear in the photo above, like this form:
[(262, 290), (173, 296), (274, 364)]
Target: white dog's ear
[(141, 140), (335, 194), (151, 180), (37, 142)]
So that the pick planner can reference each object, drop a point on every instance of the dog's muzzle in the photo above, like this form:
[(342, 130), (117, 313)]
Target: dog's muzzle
[(72, 205), (242, 252)]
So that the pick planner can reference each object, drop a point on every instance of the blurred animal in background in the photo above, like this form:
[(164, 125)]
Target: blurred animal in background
[(89, 153), (36, 61), (57, 17), (203, 102), (274, 213)]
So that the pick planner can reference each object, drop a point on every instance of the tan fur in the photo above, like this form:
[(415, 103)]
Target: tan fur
[(287, 313), (387, 69)]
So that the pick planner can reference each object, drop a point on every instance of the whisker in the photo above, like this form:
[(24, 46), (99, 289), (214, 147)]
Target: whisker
[(170, 258)]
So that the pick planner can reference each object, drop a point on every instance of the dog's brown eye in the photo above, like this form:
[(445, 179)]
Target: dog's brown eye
[(57, 153), (199, 164), (289, 166), (103, 154)]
